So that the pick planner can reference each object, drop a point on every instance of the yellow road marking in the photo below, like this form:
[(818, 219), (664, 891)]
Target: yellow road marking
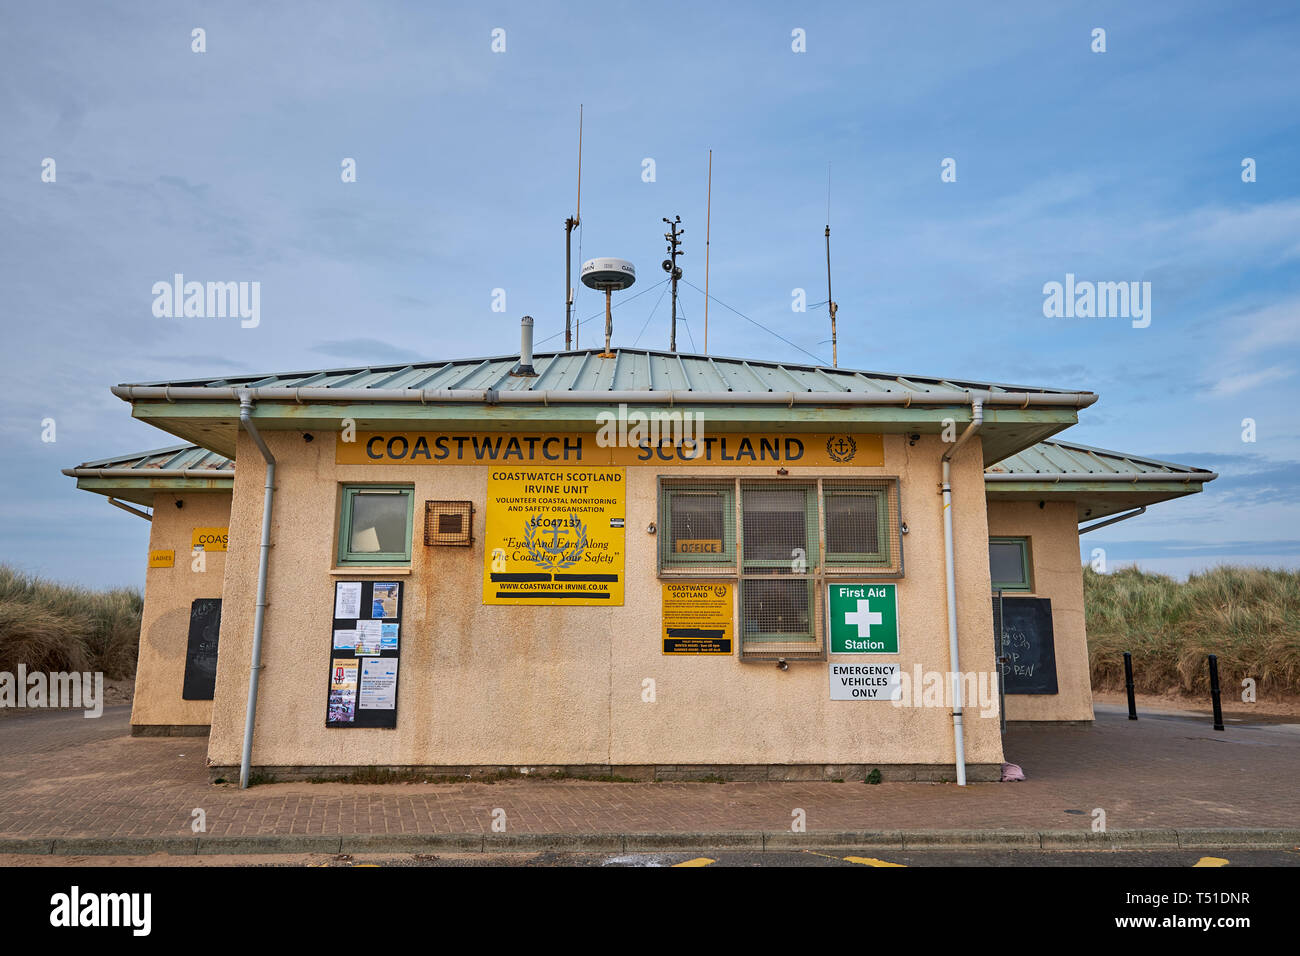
[(698, 861), (860, 860), (1211, 861), (872, 861)]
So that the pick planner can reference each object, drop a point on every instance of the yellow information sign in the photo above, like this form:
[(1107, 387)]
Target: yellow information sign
[(739, 450), (697, 618), (209, 539), (162, 559), (554, 536)]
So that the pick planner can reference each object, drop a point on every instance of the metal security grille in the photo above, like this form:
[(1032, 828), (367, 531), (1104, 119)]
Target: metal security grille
[(780, 554), (697, 526), (783, 539), (863, 527), (448, 523)]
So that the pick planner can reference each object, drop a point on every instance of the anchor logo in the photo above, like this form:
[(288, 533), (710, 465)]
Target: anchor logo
[(841, 448)]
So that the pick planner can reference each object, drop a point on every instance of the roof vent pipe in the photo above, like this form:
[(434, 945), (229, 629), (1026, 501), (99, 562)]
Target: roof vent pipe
[(525, 366)]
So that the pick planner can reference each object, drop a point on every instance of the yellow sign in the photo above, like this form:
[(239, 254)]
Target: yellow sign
[(554, 536), (162, 559), (698, 546), (209, 539), (821, 450), (697, 618)]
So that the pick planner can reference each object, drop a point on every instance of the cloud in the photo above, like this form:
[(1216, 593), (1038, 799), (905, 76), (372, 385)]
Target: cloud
[(361, 352), (1232, 384)]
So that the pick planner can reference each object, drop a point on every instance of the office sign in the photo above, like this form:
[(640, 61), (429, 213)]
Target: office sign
[(554, 536), (697, 618), (862, 618)]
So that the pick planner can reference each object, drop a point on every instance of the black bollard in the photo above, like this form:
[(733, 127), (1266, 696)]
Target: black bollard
[(1214, 692), (1128, 682)]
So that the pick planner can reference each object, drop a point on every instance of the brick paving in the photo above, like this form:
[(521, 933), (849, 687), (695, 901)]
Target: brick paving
[(62, 775)]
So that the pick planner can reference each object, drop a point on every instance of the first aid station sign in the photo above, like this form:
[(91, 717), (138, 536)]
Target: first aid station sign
[(863, 618)]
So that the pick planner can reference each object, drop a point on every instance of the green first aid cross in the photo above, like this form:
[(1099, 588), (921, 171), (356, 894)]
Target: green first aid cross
[(863, 618)]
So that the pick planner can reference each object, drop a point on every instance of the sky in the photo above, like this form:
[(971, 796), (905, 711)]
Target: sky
[(226, 165)]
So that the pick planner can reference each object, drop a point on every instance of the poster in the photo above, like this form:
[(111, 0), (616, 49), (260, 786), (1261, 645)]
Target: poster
[(378, 684), (347, 599), (697, 618), (345, 640), (388, 636), (369, 634), (384, 601), (343, 691), (554, 536)]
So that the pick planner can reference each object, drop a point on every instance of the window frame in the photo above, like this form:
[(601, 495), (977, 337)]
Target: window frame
[(343, 556), (709, 565), (853, 560), (1026, 557)]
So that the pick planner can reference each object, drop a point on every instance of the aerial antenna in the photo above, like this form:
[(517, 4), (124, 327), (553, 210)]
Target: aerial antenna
[(830, 302), (708, 228), (673, 235), (569, 225)]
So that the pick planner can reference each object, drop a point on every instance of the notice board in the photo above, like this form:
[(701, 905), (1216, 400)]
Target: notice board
[(201, 652), (554, 536), (1027, 643), (365, 648)]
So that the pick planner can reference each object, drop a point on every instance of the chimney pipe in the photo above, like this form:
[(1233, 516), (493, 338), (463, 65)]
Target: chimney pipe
[(525, 366)]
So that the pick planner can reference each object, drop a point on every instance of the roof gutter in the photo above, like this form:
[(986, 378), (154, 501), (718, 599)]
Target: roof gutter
[(135, 511), (263, 560), (149, 472), (1057, 477), (177, 393), (950, 580), (1114, 520)]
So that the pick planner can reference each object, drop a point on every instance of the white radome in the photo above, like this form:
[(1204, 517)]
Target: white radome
[(606, 274)]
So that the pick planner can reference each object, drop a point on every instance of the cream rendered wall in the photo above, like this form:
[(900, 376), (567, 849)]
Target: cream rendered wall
[(563, 685), (1053, 533), (168, 593)]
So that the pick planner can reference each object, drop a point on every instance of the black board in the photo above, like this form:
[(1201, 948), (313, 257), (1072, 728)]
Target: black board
[(201, 652), (1028, 644)]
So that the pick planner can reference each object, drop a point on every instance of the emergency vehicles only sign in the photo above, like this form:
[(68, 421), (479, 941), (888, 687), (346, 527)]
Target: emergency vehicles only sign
[(863, 619)]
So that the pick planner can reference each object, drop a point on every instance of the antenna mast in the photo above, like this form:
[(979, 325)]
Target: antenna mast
[(708, 224), (569, 225), (830, 301), (673, 235)]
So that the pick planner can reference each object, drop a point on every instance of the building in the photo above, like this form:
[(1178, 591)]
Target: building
[(648, 564)]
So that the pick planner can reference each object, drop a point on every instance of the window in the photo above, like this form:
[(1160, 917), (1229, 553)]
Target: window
[(375, 524), (769, 534), (697, 526), (1009, 564)]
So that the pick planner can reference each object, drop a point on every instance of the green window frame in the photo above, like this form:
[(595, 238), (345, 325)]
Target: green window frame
[(674, 506), (880, 557), (1022, 582), (347, 557)]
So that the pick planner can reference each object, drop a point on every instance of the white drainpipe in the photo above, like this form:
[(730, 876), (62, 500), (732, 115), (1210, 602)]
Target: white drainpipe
[(949, 567), (259, 618)]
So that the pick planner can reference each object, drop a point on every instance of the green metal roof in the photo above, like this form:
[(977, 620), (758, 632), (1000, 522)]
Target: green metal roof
[(1100, 481), (628, 370), (139, 476), (571, 388)]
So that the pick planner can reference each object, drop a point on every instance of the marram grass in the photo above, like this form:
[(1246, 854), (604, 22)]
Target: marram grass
[(1248, 617), (59, 627)]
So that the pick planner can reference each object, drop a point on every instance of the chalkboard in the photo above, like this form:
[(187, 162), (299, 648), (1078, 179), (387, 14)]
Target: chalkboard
[(1027, 643), (201, 654)]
